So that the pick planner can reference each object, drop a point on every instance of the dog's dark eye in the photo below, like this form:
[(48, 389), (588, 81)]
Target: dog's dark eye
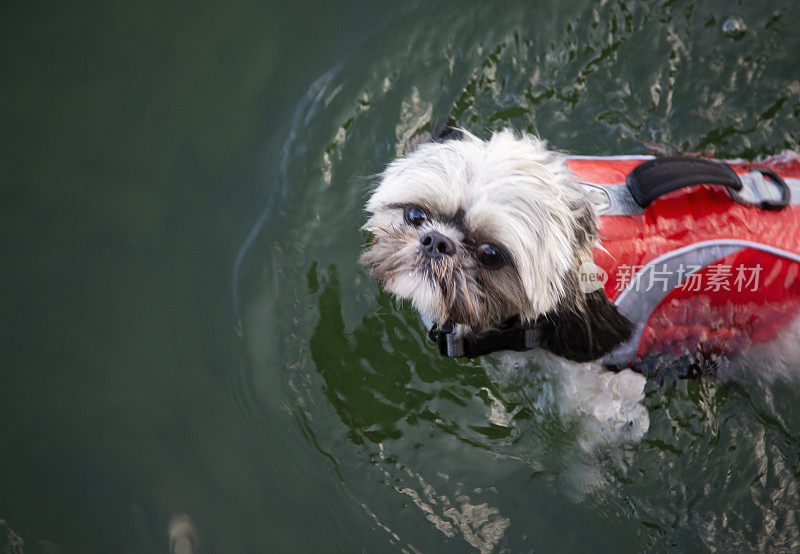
[(415, 216), (489, 255)]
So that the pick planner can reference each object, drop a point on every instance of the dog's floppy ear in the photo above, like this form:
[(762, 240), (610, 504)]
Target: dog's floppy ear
[(587, 332), (445, 129)]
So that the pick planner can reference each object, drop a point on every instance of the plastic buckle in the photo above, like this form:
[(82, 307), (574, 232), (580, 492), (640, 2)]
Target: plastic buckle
[(450, 344)]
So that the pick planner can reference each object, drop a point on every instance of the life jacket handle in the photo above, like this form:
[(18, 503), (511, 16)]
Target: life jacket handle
[(657, 177)]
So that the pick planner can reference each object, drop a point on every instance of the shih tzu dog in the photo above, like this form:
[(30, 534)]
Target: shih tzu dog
[(488, 237), (491, 234)]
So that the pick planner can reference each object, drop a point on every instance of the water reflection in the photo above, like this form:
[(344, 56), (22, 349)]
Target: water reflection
[(183, 536), (10, 542), (381, 373), (403, 403)]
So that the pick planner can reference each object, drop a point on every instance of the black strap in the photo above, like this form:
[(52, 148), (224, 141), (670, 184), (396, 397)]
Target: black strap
[(659, 176), (512, 336)]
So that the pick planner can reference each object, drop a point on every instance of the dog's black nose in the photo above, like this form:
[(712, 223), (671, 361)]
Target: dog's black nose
[(436, 245)]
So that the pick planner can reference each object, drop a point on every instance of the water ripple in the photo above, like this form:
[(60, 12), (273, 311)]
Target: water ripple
[(445, 455)]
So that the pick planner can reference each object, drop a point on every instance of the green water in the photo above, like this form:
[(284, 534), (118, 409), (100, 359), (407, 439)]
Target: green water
[(185, 329)]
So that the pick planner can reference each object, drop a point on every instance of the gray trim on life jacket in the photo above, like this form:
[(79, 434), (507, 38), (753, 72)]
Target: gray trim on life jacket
[(757, 189), (640, 297)]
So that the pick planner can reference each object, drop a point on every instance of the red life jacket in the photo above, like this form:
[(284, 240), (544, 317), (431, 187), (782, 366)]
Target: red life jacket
[(702, 268)]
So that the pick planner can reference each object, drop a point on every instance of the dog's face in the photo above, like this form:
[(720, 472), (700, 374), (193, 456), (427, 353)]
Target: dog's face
[(481, 231)]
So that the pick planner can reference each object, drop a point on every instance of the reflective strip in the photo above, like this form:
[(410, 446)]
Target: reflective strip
[(617, 199), (637, 304), (613, 199)]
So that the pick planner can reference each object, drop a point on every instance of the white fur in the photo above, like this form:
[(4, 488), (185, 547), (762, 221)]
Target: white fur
[(512, 190), (424, 295)]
